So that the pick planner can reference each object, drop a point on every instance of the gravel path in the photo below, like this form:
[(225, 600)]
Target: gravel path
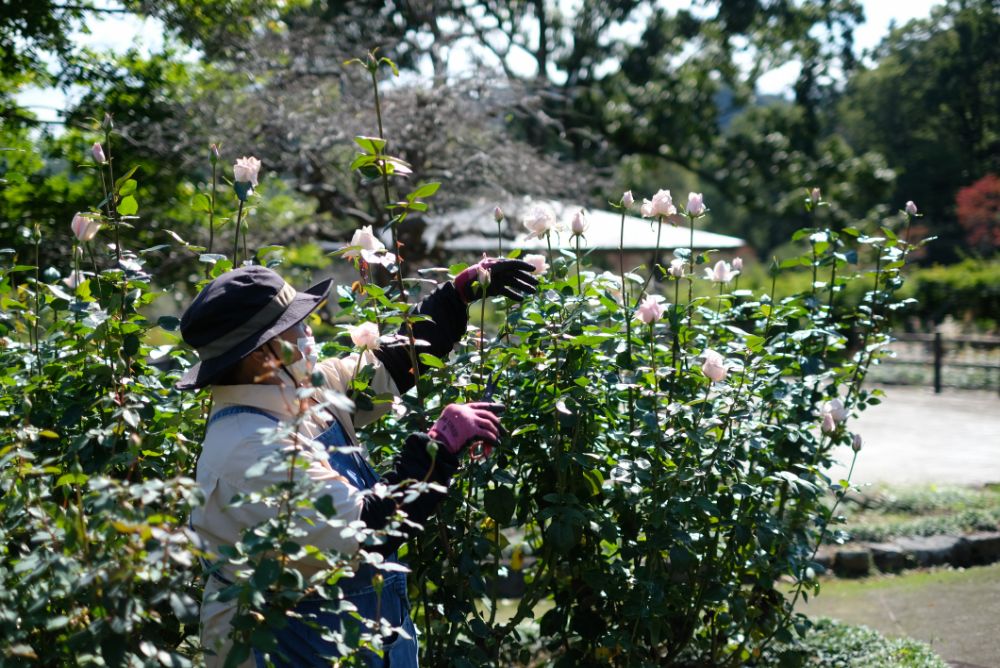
[(917, 437)]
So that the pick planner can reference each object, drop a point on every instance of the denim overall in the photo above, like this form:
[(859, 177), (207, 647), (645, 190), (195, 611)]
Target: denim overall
[(299, 642)]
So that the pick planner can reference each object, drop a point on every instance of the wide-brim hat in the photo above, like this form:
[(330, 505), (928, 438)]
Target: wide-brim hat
[(236, 313)]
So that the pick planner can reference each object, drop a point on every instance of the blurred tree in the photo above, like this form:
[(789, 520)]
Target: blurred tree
[(929, 104), (580, 90)]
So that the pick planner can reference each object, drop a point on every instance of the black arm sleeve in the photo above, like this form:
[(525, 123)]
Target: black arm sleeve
[(412, 463), (449, 316)]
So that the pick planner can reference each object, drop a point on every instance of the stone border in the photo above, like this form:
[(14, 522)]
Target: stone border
[(855, 560)]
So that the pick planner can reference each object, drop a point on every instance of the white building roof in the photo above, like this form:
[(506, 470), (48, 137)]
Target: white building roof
[(474, 230)]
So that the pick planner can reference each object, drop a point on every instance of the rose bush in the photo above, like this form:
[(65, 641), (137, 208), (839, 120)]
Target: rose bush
[(662, 467)]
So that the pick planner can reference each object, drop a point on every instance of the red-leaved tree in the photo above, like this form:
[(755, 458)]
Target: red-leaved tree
[(978, 211)]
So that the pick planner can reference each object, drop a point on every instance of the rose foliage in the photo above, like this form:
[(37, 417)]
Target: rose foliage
[(657, 478)]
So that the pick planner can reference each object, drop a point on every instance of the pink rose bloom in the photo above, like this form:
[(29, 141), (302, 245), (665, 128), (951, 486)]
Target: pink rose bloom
[(539, 221), (677, 267), (538, 262), (835, 407), (696, 204), (85, 226), (833, 413), (649, 311), (661, 205), (627, 199), (246, 170), (721, 273), (98, 152), (714, 367), (911, 208), (365, 336)]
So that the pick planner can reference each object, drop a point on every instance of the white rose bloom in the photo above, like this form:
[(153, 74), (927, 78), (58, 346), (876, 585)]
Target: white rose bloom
[(246, 170)]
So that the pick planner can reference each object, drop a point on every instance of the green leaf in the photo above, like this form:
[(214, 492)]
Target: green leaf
[(128, 206), (560, 535), (499, 504), (129, 187), (71, 479), (267, 571), (125, 177), (370, 145), (425, 190), (431, 361)]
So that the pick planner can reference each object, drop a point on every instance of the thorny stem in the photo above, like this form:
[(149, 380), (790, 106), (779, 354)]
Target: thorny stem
[(211, 209), (236, 237), (112, 196), (500, 236), (675, 341), (691, 269), (579, 280), (800, 584), (394, 223), (38, 315), (246, 253), (653, 265), (866, 357)]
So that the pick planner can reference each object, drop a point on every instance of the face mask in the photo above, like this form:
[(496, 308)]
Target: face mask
[(307, 346)]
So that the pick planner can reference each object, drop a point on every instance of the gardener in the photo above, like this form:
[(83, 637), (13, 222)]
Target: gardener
[(237, 324)]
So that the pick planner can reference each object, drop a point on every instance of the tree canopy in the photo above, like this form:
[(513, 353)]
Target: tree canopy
[(535, 98)]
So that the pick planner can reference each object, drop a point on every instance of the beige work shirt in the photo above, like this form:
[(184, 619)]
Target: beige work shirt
[(235, 443)]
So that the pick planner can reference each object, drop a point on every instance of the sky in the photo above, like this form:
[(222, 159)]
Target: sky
[(120, 32)]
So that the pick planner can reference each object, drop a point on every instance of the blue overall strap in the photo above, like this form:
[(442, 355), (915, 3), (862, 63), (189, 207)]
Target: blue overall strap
[(236, 410)]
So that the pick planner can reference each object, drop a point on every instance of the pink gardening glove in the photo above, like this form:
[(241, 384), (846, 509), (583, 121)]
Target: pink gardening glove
[(503, 278), (462, 424)]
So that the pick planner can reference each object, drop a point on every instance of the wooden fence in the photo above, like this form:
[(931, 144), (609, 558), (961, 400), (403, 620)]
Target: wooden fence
[(945, 353)]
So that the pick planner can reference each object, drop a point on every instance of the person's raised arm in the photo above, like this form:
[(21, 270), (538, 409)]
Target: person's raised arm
[(458, 426), (447, 312)]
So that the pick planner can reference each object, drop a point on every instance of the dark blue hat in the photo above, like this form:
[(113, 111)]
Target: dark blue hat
[(236, 313)]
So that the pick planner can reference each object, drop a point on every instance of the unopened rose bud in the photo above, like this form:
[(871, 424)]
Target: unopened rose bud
[(213, 153), (579, 224), (109, 123), (696, 204), (856, 442), (911, 208), (98, 152), (627, 199), (738, 264), (814, 196), (498, 214)]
